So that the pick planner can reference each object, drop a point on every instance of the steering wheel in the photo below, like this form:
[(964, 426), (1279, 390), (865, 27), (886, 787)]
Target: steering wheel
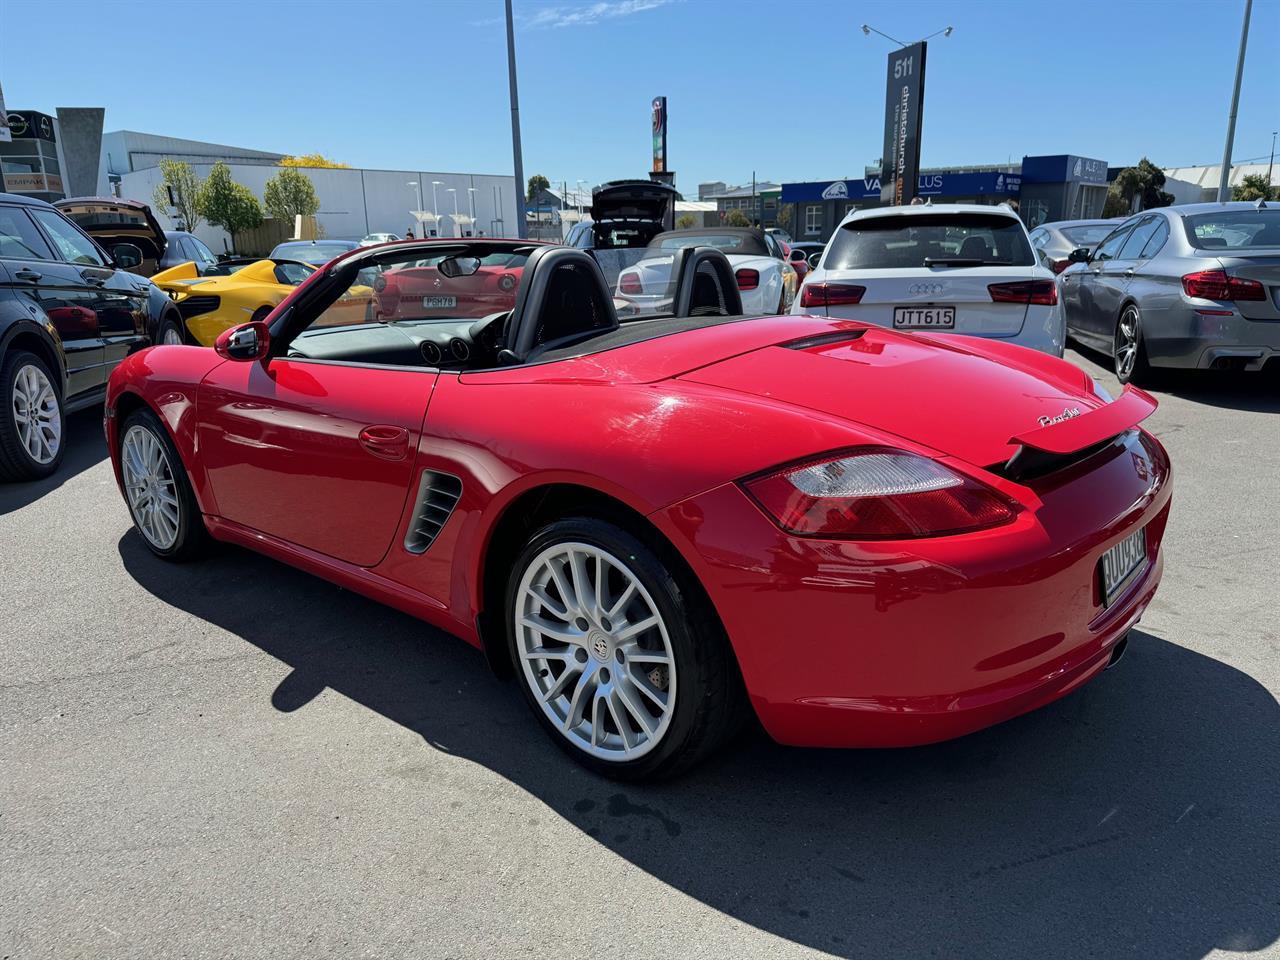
[(486, 333)]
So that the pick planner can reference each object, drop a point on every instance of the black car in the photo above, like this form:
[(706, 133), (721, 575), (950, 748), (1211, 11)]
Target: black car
[(69, 312), (113, 220)]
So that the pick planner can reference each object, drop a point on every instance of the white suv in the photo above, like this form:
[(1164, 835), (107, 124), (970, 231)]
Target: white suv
[(954, 267)]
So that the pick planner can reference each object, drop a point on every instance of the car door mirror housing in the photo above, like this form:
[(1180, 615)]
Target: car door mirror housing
[(126, 255), (246, 342), (1080, 255), (454, 267)]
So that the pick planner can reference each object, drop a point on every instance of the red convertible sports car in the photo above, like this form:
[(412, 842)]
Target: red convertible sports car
[(867, 537)]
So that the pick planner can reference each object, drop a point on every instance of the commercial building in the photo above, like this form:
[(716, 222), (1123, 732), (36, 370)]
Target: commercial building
[(1198, 184), (1044, 188)]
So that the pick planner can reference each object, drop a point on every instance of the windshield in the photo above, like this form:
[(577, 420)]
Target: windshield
[(1234, 229), (725, 242), (316, 253), (921, 240), (1088, 236)]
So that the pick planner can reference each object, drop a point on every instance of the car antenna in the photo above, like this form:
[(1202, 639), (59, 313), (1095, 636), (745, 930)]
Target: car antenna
[(1262, 203)]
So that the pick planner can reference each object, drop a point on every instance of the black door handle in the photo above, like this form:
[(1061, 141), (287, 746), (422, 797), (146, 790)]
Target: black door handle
[(26, 273), (92, 278)]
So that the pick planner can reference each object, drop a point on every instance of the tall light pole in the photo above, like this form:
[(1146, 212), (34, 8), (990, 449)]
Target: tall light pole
[(435, 207), (581, 182), (1272, 161), (418, 189), (518, 160), (471, 200), (1224, 173), (868, 30), (454, 191)]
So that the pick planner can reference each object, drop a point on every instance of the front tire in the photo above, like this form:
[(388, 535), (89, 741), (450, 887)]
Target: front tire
[(32, 421), (157, 490), (170, 332), (620, 657), (1128, 352)]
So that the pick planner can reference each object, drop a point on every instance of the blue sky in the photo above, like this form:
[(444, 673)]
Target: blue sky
[(791, 89)]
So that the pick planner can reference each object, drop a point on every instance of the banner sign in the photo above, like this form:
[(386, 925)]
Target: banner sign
[(903, 105), (659, 134), (927, 185), (30, 125), (32, 183), (1064, 168)]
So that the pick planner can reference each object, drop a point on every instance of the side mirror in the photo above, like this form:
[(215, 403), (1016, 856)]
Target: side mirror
[(247, 342), (814, 258), (797, 255), (454, 267), (126, 255), (1080, 255)]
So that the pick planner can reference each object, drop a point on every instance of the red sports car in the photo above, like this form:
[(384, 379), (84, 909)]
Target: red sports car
[(417, 289), (867, 537)]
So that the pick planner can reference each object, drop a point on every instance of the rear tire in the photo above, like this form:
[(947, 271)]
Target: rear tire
[(170, 332), (157, 490), (1128, 352), (32, 421), (628, 701)]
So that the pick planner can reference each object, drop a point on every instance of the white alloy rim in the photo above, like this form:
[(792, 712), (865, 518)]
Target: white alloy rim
[(36, 414), (150, 487)]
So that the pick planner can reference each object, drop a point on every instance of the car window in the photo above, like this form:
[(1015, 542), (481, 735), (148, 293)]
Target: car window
[(202, 253), (19, 238), (909, 240), (1089, 235), (292, 274), (1234, 228), (1109, 247), (1039, 238), (1157, 241), (72, 245), (1143, 232)]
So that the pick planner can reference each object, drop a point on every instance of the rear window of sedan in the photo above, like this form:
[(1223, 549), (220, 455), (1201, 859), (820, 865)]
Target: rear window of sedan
[(1232, 229), (1088, 236), (919, 240)]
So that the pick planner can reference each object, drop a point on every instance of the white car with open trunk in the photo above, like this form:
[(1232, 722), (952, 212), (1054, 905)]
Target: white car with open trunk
[(952, 268)]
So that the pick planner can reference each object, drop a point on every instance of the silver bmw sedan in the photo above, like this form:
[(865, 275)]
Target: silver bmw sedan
[(1195, 286)]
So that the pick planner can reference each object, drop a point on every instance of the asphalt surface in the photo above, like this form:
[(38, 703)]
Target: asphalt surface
[(235, 759)]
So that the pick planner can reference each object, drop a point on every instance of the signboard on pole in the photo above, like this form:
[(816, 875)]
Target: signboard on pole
[(659, 134), (903, 111)]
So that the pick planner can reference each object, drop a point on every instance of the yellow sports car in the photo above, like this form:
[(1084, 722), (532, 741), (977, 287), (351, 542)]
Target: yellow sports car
[(248, 290)]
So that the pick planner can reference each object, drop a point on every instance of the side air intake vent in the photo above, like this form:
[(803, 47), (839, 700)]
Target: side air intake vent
[(437, 496)]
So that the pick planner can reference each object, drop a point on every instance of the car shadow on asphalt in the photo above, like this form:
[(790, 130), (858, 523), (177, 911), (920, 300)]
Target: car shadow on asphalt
[(1257, 392), (86, 447), (1136, 818)]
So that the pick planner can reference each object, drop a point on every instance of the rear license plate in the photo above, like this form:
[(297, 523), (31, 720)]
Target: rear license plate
[(1121, 563), (437, 303), (924, 318)]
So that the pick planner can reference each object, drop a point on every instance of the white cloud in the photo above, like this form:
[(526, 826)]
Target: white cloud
[(587, 14)]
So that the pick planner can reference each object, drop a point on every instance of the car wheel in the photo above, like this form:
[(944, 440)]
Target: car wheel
[(620, 657), (1128, 352), (170, 333), (31, 427), (157, 490)]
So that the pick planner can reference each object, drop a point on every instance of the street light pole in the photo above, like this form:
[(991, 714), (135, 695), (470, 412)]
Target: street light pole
[(454, 191), (471, 199), (418, 189), (1224, 173), (1272, 161), (517, 159), (435, 207)]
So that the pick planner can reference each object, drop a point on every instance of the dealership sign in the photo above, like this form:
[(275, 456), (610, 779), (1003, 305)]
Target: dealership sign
[(927, 185), (32, 183), (904, 101)]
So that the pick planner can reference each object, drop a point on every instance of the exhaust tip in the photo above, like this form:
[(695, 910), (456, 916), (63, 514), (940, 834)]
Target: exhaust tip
[(1117, 652)]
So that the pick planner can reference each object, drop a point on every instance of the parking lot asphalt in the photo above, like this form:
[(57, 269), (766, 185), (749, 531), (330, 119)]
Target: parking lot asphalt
[(232, 758)]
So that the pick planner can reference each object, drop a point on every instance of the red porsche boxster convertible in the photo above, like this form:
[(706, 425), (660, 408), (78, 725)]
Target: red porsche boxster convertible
[(867, 537)]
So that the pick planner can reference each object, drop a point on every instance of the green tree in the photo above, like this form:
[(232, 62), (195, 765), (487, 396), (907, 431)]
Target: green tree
[(784, 216), (1142, 182), (686, 221), (228, 204), (1254, 187), (313, 160), (736, 218), (180, 182), (537, 183), (288, 194)]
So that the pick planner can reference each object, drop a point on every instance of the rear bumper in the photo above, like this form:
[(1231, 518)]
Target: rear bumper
[(1181, 337), (909, 642)]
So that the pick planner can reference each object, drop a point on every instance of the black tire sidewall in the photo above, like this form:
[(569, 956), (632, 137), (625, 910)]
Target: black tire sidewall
[(17, 463), (191, 530), (167, 321), (260, 315), (673, 607)]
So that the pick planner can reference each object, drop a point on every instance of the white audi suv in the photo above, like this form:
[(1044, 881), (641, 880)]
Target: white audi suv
[(953, 268)]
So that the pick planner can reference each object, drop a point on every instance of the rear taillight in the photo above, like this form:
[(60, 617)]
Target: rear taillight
[(876, 494), (1041, 292), (830, 294), (747, 278), (629, 283), (1218, 285), (1057, 266)]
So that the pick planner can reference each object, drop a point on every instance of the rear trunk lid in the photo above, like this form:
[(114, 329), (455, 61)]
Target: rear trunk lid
[(110, 220), (942, 393), (1264, 267), (634, 200), (967, 289)]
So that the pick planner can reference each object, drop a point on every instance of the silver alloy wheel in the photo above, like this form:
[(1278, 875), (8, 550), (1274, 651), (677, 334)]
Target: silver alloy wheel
[(171, 337), (149, 484), (1127, 342), (36, 414), (595, 651)]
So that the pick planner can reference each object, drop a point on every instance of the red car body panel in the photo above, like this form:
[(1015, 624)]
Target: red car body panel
[(840, 642), (488, 290)]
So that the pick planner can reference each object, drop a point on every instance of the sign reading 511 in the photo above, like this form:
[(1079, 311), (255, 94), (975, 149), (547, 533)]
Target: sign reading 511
[(903, 113)]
